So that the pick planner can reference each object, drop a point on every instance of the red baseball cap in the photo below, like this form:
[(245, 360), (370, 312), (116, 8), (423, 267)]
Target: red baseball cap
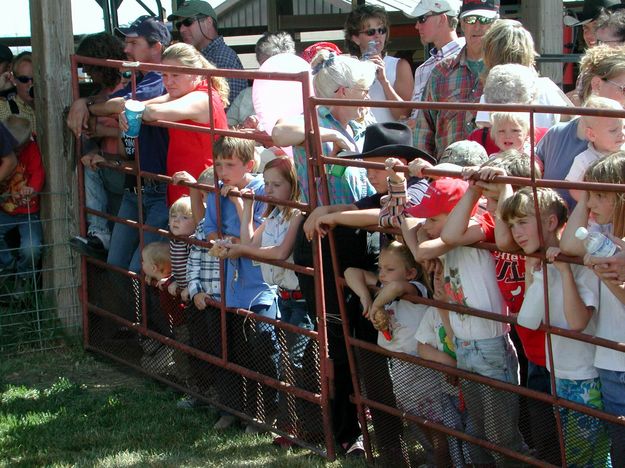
[(440, 198), (309, 52)]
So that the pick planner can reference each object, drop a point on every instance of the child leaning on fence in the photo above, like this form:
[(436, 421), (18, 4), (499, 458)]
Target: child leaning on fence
[(19, 206), (573, 300), (244, 285), (274, 240), (482, 346), (397, 321), (435, 342), (607, 212), (201, 328)]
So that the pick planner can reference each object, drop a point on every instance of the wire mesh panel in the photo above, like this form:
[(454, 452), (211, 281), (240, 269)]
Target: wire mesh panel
[(31, 317)]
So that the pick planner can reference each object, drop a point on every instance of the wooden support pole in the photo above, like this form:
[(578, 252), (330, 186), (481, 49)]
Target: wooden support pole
[(543, 18), (52, 43)]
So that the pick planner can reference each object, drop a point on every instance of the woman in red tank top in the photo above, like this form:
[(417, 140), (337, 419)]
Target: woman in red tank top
[(193, 100)]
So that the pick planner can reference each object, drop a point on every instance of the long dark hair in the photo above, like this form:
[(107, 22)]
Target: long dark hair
[(104, 46)]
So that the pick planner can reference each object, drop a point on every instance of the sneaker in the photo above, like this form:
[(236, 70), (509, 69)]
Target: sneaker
[(283, 442), (189, 402), (90, 246), (226, 421), (357, 449)]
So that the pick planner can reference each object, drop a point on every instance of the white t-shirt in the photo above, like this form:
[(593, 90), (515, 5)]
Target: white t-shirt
[(432, 332), (581, 163), (376, 93), (549, 94), (471, 280), (610, 325), (405, 318), (275, 230), (573, 360)]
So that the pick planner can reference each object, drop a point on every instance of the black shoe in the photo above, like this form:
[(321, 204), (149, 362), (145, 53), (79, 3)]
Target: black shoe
[(91, 246)]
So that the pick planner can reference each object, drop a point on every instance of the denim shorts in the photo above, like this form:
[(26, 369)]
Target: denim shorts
[(491, 357)]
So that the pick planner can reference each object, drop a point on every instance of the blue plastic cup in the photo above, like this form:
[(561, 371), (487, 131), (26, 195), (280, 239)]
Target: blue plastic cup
[(134, 112)]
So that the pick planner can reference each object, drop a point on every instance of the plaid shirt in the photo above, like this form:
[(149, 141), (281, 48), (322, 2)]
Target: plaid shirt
[(202, 268), (222, 56), (423, 71), (353, 184), (451, 81)]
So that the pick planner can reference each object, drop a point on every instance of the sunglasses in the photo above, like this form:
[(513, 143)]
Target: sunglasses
[(477, 19), (186, 22), (371, 32), (24, 79), (423, 18)]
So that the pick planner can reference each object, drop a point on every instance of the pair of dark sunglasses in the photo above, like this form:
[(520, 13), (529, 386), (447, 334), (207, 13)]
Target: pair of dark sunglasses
[(371, 32), (24, 79), (423, 18), (188, 21)]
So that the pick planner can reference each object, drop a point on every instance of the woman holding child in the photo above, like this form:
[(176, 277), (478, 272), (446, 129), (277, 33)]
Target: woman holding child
[(603, 74), (186, 102)]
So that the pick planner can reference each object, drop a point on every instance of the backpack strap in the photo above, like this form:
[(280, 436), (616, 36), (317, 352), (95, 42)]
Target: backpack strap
[(484, 136), (13, 105)]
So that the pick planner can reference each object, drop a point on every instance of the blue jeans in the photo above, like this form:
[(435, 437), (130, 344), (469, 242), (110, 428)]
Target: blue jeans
[(295, 313), (493, 415), (31, 235), (99, 186), (613, 393), (124, 251)]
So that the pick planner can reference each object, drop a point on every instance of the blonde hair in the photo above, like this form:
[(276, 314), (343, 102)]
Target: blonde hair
[(157, 253), (598, 102), (207, 176), (507, 41), (515, 163), (611, 170), (602, 61), (403, 252), (181, 206), (522, 119), (229, 147), (189, 56), (521, 205), (331, 71)]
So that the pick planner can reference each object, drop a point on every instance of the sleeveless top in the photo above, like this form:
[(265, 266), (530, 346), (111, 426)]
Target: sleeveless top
[(193, 151), (376, 93)]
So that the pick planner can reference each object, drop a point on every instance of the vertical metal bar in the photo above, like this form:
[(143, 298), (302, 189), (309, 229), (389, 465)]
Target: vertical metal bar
[(546, 291), (313, 146), (83, 292)]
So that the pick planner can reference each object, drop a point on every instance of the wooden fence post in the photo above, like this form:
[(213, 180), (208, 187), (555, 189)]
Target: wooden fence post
[(52, 43)]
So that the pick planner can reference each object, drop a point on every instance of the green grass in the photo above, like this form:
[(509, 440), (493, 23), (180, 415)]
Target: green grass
[(69, 408)]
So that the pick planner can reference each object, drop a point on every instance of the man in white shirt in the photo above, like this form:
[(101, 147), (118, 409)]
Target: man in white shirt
[(436, 21)]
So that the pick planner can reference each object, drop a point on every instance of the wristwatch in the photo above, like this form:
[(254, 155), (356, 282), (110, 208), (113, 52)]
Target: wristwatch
[(90, 101)]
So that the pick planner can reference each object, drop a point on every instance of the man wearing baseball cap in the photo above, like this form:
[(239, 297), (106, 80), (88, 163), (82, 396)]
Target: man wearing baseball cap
[(145, 39), (436, 21), (456, 79), (197, 22)]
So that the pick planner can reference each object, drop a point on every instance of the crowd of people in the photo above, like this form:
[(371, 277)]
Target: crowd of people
[(436, 220)]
